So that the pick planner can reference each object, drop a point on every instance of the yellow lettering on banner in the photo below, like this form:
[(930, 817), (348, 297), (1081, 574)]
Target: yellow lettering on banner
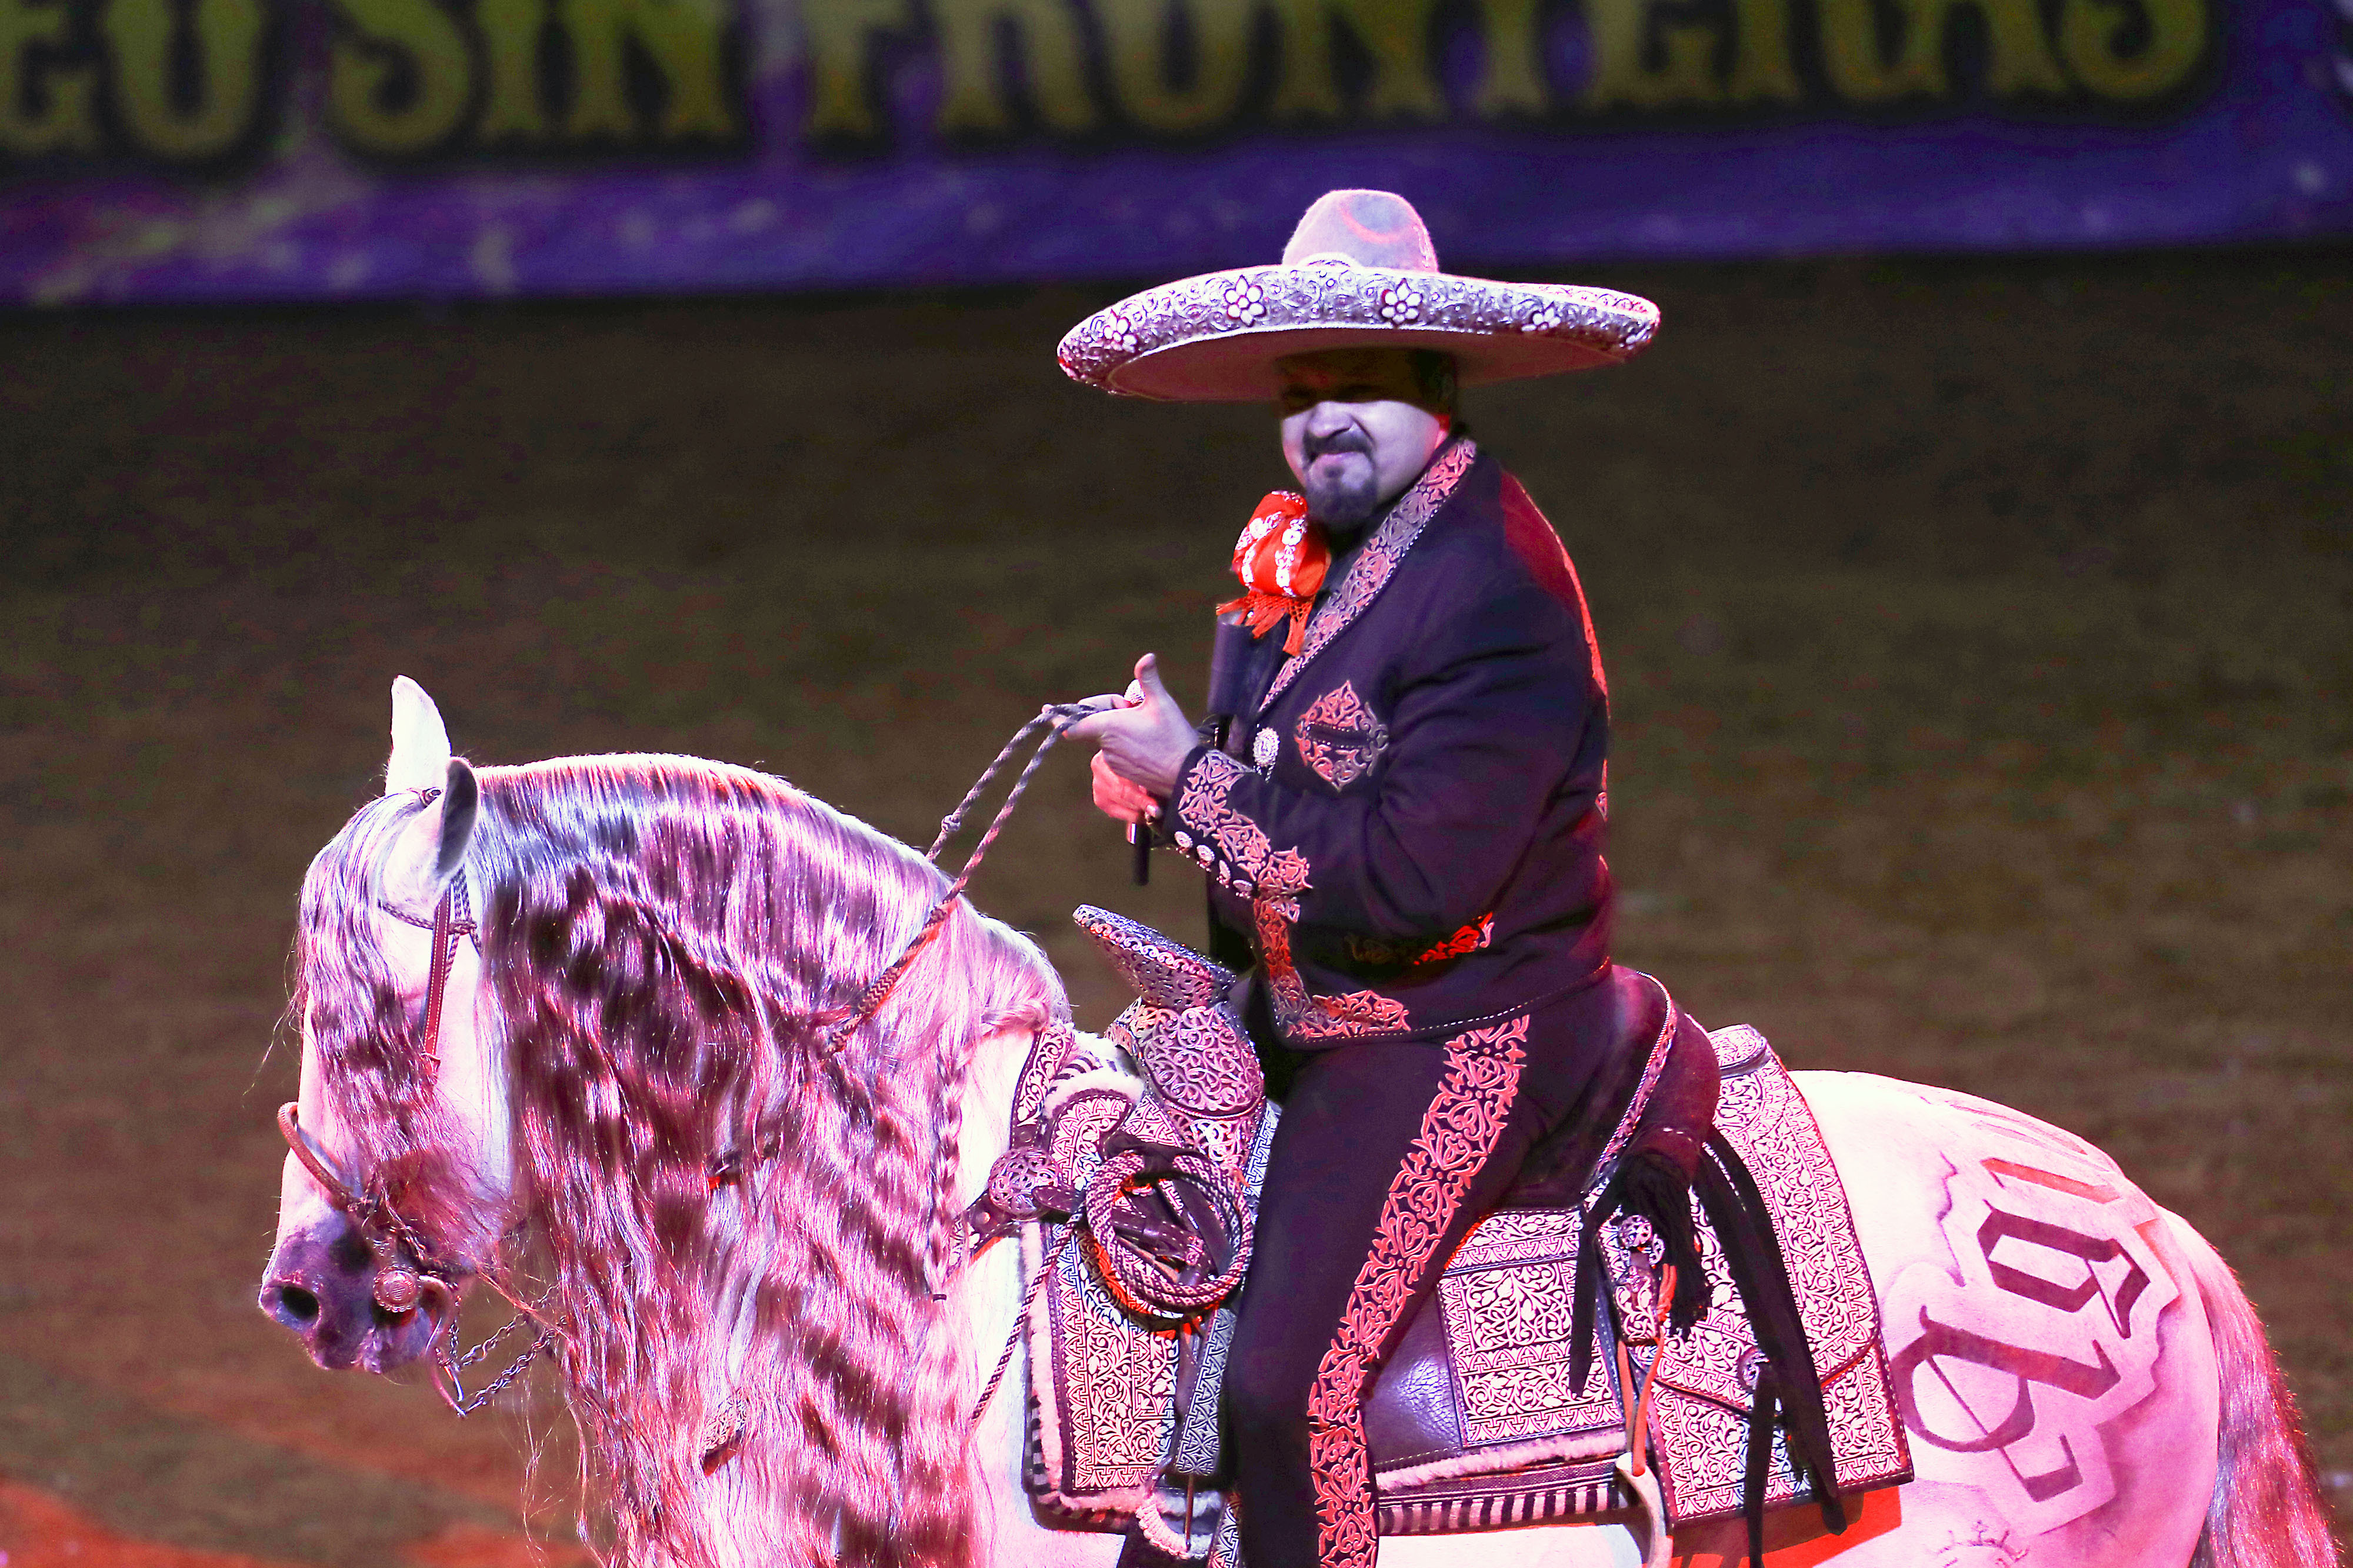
[(511, 109), (433, 60), (227, 37), (682, 38), (1137, 38), (1513, 81), (1623, 77), (1047, 34), (1306, 89), (1395, 33), (62, 122), (1761, 71), (2089, 31), (837, 33), (2020, 61)]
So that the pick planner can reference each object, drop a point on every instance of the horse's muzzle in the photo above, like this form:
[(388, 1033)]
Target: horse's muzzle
[(322, 1284)]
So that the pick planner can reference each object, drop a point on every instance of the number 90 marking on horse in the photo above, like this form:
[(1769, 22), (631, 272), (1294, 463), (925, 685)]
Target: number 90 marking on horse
[(2045, 1333), (665, 944)]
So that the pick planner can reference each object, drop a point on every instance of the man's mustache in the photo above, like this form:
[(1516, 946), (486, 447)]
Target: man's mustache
[(1348, 440)]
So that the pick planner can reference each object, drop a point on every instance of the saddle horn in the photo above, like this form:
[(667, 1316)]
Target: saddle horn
[(1165, 974)]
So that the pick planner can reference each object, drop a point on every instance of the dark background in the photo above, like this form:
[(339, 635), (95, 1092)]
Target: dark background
[(1979, 635)]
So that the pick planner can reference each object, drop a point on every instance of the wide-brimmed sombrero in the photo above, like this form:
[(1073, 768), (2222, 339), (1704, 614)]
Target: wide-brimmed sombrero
[(1359, 272)]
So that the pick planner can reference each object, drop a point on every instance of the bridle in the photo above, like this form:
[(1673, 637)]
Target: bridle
[(405, 1266)]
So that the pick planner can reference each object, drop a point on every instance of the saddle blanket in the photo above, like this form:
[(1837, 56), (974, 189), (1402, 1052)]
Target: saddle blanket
[(1471, 1423)]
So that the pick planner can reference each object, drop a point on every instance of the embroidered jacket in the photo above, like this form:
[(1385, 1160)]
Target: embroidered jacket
[(1409, 832)]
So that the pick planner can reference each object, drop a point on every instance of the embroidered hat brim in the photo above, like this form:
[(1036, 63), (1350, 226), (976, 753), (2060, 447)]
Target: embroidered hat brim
[(1216, 338)]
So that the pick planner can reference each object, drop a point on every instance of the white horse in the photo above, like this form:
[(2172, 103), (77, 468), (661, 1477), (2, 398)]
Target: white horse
[(569, 1031)]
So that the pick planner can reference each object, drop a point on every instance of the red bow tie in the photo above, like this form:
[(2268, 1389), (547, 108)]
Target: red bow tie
[(1281, 559)]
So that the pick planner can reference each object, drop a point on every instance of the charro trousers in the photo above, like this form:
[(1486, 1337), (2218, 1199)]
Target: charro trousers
[(1386, 1153)]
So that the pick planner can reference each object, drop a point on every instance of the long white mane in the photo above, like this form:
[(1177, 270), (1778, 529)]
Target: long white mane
[(744, 1231)]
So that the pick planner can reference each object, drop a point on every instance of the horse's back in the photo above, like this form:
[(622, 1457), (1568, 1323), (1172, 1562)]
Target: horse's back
[(2048, 1346), (2049, 1351), (2049, 1359)]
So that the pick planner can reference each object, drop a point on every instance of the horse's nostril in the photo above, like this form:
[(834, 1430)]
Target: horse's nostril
[(297, 1308)]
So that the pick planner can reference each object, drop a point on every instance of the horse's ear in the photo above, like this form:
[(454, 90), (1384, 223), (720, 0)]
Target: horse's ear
[(420, 742), (461, 801)]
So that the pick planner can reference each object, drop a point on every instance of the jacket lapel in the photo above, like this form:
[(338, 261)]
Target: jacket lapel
[(1377, 562)]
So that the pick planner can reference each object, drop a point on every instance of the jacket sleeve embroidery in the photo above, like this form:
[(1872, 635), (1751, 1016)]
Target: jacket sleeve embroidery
[(1236, 852), (1343, 1017), (1227, 843)]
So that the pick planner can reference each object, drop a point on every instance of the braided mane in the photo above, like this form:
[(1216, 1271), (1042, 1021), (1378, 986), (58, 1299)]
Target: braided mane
[(664, 939)]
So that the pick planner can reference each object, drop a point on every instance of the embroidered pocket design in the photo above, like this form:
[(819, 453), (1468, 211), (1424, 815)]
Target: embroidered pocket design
[(1339, 736)]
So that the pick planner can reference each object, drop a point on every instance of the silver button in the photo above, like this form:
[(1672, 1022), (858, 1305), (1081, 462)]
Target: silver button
[(1265, 746), (1184, 839)]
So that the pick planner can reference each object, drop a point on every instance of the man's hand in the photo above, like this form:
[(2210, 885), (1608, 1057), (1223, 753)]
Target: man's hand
[(1120, 800), (1143, 743)]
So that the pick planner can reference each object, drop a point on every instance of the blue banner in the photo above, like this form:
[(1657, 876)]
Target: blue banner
[(219, 150)]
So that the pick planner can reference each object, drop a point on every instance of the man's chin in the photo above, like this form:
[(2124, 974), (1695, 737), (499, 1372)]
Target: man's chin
[(1341, 501)]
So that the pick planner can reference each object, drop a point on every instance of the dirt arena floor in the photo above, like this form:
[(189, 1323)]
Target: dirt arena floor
[(1981, 636)]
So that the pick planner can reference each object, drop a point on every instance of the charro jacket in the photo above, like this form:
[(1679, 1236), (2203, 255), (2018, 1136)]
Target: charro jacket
[(1408, 825)]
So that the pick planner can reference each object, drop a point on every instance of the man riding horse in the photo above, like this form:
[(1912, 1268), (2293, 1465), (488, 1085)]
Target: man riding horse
[(617, 1037), (1403, 826)]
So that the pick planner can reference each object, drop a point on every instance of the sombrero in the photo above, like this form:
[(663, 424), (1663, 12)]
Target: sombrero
[(1359, 272)]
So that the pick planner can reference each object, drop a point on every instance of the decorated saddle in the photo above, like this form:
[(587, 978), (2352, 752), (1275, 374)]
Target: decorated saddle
[(1507, 1400)]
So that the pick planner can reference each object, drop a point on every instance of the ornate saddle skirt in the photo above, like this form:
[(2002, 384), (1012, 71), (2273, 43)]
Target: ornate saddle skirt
[(1473, 1423)]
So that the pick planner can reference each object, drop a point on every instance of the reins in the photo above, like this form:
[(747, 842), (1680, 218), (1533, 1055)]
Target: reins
[(1053, 719), (404, 1265)]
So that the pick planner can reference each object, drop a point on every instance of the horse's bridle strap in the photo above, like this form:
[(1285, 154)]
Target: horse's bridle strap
[(452, 918), (403, 1270), (290, 1127), (446, 916)]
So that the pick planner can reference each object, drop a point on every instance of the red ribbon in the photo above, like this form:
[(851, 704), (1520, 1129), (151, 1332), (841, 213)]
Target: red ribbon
[(1281, 559)]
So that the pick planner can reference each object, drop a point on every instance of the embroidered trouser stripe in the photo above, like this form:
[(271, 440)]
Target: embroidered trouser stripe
[(1459, 1131)]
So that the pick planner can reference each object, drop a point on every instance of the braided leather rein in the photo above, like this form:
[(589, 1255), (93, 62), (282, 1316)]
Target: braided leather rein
[(1053, 719)]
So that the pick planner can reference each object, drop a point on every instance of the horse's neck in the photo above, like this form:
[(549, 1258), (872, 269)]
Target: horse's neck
[(988, 1118), (986, 1299)]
